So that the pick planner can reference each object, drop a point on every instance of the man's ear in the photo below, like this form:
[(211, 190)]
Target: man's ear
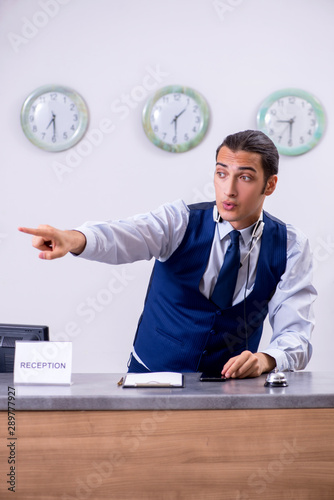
[(271, 185)]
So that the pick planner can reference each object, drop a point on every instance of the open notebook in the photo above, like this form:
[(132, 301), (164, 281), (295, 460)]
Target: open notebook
[(153, 379)]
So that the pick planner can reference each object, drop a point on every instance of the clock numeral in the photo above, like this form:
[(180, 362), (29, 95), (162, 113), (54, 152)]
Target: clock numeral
[(43, 135), (279, 138), (195, 108), (75, 118), (290, 143), (313, 122), (65, 135), (271, 131), (177, 97), (54, 139), (194, 129), (164, 135), (73, 127), (156, 128), (273, 112), (186, 137), (174, 140), (310, 132), (197, 119), (34, 129), (72, 106), (31, 118), (42, 98), (53, 97), (292, 99), (280, 102), (301, 140), (311, 112), (165, 98)]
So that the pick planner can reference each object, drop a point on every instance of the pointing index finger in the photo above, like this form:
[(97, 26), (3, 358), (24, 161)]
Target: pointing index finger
[(42, 231), (32, 231)]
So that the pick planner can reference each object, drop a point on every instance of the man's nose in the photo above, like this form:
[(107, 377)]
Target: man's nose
[(230, 187)]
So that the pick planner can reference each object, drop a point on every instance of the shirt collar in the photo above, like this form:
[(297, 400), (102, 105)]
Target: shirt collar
[(224, 228)]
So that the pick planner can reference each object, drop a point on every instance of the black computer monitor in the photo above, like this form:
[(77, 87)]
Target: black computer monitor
[(10, 333)]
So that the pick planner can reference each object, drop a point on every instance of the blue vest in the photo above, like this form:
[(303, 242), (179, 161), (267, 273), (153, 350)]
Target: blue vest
[(180, 329)]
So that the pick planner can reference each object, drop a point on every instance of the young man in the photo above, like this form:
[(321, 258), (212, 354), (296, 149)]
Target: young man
[(185, 326)]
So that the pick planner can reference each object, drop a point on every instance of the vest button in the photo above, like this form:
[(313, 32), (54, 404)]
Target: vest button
[(218, 312), (205, 353), (213, 332)]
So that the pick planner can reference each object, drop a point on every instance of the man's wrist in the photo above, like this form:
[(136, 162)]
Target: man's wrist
[(267, 361), (77, 241)]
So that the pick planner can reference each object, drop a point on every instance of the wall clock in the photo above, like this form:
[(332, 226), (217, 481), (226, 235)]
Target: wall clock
[(54, 118), (176, 118), (294, 119)]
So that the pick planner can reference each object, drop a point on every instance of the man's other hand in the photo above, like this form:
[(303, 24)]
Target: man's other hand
[(248, 364)]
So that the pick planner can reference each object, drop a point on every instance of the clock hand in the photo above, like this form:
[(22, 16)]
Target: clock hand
[(175, 124), (54, 124), (51, 121), (291, 122), (284, 129), (176, 117)]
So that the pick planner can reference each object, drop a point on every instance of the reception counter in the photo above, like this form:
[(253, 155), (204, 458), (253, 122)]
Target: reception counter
[(232, 440)]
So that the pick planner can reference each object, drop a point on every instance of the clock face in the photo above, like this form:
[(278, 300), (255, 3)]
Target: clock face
[(293, 119), (176, 118), (54, 118)]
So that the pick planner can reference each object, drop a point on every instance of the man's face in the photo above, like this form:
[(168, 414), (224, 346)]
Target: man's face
[(240, 187)]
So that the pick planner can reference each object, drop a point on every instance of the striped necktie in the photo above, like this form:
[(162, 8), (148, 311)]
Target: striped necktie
[(222, 294)]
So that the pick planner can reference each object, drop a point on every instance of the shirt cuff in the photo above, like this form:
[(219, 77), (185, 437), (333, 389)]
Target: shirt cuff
[(90, 242), (280, 357)]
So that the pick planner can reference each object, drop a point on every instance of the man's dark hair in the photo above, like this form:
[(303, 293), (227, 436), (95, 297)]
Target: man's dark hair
[(254, 141)]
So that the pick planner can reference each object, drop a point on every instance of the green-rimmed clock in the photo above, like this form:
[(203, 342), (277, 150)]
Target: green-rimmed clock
[(176, 118), (54, 117), (294, 119)]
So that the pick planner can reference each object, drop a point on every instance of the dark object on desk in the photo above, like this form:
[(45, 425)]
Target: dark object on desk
[(210, 377), (8, 336), (276, 379)]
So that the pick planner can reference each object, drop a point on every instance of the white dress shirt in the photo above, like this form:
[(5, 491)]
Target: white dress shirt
[(159, 233)]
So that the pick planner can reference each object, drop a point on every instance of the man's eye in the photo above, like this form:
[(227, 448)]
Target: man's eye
[(221, 174), (246, 178)]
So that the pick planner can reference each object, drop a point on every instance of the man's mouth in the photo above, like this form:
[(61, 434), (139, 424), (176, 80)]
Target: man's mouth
[(227, 205)]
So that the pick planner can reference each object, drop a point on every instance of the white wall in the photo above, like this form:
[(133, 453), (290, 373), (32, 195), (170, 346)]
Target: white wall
[(104, 49)]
